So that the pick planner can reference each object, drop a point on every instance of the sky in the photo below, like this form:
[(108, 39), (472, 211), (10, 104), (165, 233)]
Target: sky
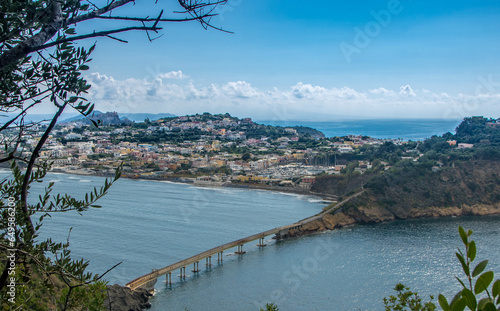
[(307, 60)]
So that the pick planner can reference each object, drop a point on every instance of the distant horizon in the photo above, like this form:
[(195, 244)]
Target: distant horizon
[(382, 128), (69, 115)]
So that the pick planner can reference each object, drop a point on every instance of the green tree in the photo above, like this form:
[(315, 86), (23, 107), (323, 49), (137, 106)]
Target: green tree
[(270, 307), (42, 62), (246, 156), (405, 299)]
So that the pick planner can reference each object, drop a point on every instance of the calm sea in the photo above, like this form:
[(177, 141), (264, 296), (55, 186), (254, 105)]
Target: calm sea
[(148, 224), (406, 129)]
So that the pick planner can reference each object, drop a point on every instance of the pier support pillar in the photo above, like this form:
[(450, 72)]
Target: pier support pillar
[(169, 278), (196, 267), (183, 273), (209, 261), (261, 243), (240, 250), (219, 257)]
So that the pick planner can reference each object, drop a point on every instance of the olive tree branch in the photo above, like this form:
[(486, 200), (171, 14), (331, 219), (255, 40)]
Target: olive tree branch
[(148, 19), (29, 169), (37, 42), (91, 15), (105, 33), (23, 112), (25, 47)]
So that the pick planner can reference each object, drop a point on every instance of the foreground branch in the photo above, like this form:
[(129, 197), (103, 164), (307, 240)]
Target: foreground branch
[(200, 11), (114, 4), (105, 33), (25, 47), (139, 19), (29, 170)]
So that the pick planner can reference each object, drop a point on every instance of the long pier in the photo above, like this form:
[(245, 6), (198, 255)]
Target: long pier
[(194, 260), (148, 280)]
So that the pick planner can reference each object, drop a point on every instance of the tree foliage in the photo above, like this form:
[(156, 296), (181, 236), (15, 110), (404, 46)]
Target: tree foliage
[(35, 269), (479, 292), (42, 63), (406, 300), (270, 307)]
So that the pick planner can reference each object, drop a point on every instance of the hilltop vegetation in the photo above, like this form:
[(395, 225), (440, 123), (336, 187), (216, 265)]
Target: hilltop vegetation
[(309, 131)]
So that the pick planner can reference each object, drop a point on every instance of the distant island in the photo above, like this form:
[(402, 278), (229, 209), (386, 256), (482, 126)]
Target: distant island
[(108, 118), (70, 117)]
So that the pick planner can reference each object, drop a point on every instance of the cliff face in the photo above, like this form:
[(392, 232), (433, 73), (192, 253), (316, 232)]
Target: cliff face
[(124, 299), (376, 214), (413, 192)]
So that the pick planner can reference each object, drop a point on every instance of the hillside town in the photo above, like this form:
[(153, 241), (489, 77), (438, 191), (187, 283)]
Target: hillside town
[(202, 149)]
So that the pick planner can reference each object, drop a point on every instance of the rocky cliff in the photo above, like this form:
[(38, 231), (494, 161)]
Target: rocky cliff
[(410, 191), (376, 214), (124, 299)]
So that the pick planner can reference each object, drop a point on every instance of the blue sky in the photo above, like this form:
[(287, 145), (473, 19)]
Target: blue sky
[(315, 60)]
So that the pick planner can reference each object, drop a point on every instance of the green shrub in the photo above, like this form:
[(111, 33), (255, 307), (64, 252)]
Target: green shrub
[(478, 290)]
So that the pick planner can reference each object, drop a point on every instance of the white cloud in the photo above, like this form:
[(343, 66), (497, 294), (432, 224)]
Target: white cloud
[(406, 91), (382, 91), (240, 89), (301, 90), (308, 91), (300, 101), (172, 75), (211, 91), (348, 93)]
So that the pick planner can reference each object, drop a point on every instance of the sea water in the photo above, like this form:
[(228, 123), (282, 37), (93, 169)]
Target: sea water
[(347, 269), (405, 129), (150, 224)]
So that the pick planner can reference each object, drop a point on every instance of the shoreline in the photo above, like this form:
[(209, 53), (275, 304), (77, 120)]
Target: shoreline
[(337, 218), (328, 221), (178, 180)]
